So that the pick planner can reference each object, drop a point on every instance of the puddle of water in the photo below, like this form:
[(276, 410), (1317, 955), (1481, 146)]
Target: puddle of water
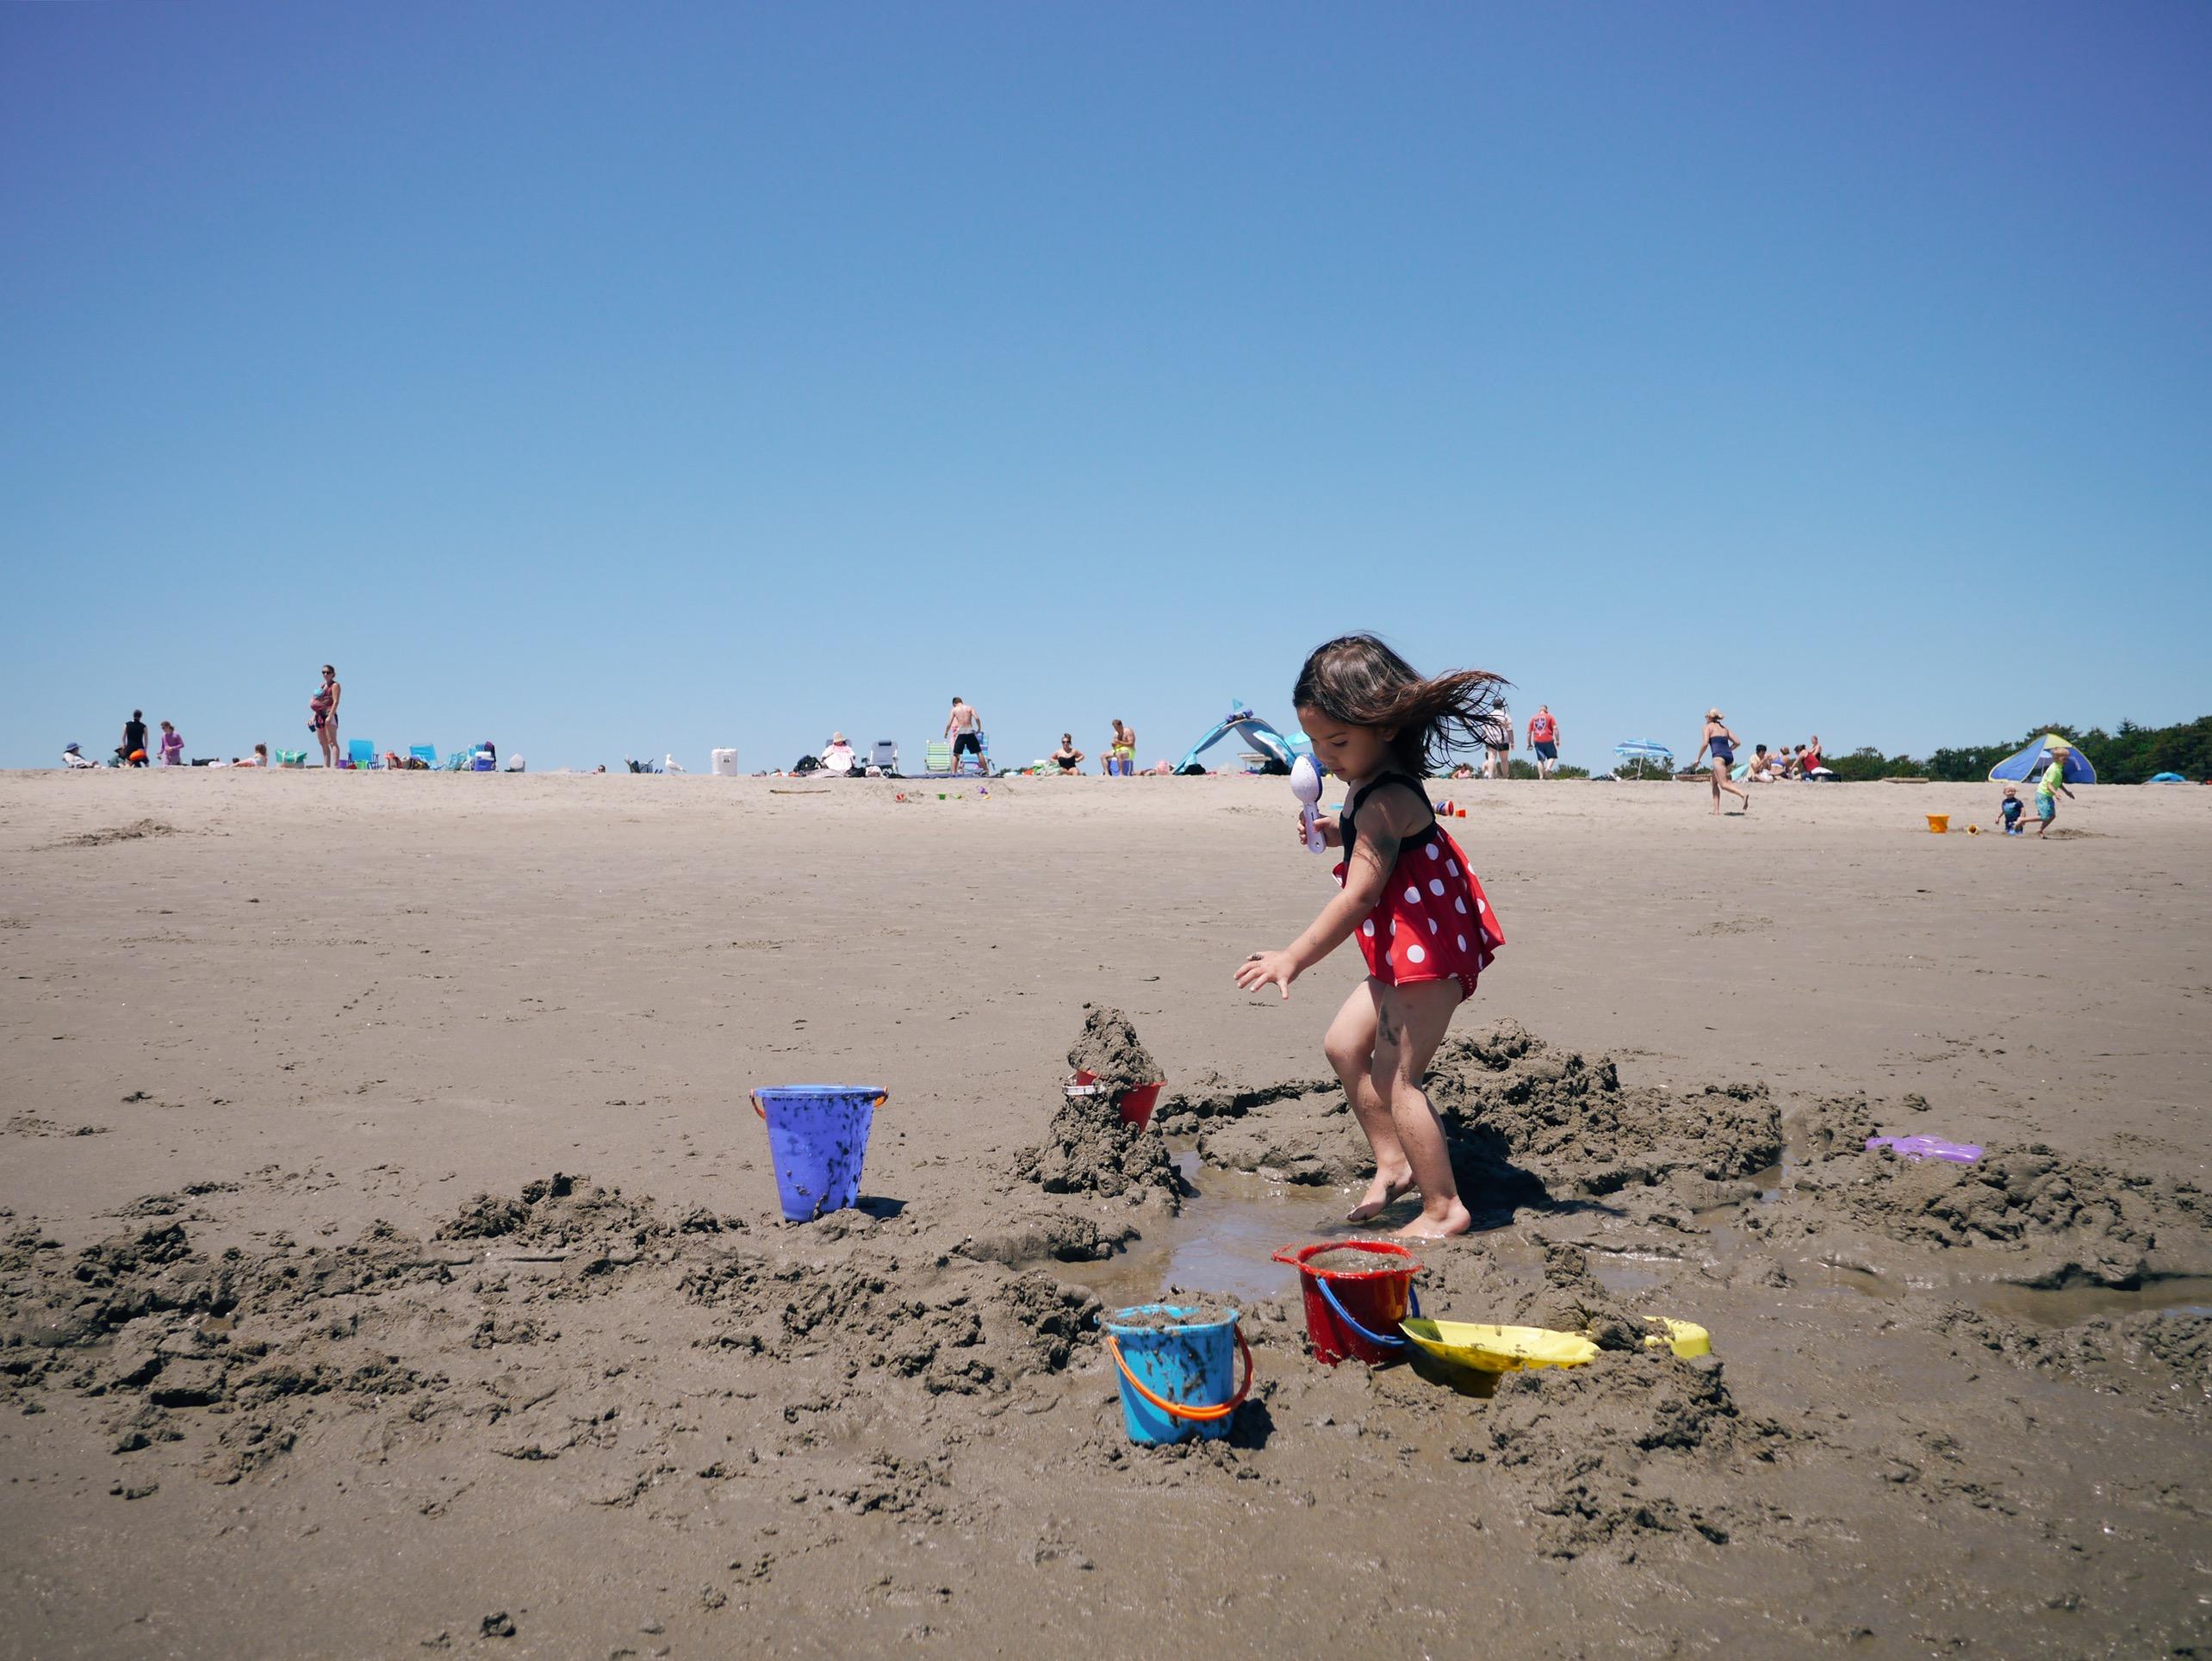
[(1223, 1245), (2182, 1295)]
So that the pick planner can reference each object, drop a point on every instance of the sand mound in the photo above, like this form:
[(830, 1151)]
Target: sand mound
[(1087, 1149), (565, 1213), (1633, 1445), (1528, 1124), (1211, 1095), (1507, 1097), (136, 831), (2084, 1223), (2160, 1360), (1109, 1048)]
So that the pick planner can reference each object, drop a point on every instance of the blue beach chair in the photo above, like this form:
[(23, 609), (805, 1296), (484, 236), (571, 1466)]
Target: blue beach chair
[(427, 754), (361, 752)]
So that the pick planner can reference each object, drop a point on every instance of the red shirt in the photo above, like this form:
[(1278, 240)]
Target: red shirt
[(1542, 730)]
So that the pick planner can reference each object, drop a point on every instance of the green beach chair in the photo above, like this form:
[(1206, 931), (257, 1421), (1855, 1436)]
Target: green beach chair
[(937, 756)]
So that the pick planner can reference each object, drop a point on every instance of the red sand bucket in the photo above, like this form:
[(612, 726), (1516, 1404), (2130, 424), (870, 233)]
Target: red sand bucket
[(1135, 1105), (1356, 1312)]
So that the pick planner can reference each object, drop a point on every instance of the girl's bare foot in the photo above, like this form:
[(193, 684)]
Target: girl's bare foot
[(1454, 1220), (1382, 1193)]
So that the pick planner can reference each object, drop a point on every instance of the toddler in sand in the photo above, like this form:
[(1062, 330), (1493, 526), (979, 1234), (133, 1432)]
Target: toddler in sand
[(2008, 813), (1422, 922)]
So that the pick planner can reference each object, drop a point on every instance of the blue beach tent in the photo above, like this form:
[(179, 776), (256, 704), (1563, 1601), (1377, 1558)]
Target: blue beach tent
[(2029, 763), (1281, 751), (2167, 778)]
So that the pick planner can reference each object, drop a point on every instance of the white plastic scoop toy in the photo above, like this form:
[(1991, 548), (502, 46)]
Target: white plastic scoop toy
[(1306, 785)]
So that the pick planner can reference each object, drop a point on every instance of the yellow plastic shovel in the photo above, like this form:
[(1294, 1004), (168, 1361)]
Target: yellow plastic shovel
[(1498, 1349)]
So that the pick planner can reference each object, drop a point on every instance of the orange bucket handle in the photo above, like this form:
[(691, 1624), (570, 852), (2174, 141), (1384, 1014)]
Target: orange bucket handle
[(882, 1096), (1203, 1414)]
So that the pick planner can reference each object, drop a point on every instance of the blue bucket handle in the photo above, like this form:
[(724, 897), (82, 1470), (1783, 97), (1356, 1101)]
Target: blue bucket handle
[(1412, 1295)]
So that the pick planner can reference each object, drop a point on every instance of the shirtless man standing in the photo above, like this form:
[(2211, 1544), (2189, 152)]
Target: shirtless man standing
[(965, 728)]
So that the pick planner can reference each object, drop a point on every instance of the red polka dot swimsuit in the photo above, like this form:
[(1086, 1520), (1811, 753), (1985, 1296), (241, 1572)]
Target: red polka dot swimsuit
[(1433, 922)]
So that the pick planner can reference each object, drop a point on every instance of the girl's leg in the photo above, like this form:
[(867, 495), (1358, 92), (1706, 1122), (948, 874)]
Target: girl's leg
[(1351, 1048), (1409, 1024)]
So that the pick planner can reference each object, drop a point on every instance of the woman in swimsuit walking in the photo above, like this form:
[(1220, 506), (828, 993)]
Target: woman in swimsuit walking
[(1722, 743), (322, 715)]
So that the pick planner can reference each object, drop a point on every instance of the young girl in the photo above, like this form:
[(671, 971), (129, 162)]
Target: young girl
[(1421, 919)]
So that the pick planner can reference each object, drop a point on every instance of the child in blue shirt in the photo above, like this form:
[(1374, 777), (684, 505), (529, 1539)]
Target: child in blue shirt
[(2008, 813)]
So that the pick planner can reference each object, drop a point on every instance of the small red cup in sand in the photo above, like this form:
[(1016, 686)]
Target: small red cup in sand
[(1135, 1106)]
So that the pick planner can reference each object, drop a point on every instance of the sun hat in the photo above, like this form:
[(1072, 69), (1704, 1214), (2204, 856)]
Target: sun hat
[(1712, 714)]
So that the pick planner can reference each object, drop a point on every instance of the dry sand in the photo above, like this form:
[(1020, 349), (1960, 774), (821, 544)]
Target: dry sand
[(391, 1262)]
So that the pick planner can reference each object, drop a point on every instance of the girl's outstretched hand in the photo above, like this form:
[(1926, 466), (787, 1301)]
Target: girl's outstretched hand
[(1261, 968)]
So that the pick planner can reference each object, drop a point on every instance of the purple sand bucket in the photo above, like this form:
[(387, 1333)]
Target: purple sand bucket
[(819, 1134)]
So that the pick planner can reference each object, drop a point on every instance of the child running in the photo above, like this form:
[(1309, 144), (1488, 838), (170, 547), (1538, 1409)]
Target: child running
[(1423, 924)]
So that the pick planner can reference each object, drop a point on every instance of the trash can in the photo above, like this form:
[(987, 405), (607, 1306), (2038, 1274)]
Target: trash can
[(725, 763)]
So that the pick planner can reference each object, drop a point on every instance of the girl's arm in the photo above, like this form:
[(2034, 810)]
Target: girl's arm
[(1382, 826)]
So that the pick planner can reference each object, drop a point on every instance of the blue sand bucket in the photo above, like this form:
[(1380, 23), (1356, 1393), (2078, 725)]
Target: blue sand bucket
[(819, 1134), (1174, 1380)]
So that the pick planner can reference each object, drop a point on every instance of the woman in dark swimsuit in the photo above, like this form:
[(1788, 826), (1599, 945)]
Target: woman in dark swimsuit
[(1068, 757), (1722, 743), (322, 715)]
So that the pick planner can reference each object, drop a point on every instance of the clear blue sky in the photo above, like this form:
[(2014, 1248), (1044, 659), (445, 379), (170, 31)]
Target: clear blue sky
[(604, 378)]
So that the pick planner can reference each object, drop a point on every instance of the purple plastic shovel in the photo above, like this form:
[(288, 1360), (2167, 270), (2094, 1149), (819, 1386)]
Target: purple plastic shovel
[(1926, 1148)]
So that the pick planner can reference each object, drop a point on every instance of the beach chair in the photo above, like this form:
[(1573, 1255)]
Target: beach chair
[(457, 762), (427, 754), (884, 758), (361, 752), (937, 756)]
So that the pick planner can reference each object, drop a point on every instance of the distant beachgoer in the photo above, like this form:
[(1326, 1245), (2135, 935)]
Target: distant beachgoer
[(1463, 771), (1762, 769), (837, 754), (965, 728), (1544, 739), (132, 751), (72, 756), (2049, 789), (1498, 744), (1809, 757), (322, 715), (1122, 750), (2008, 813), (1722, 743), (1409, 903), (1068, 757), (172, 746)]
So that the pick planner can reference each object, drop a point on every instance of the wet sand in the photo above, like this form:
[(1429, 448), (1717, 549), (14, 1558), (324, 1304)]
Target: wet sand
[(391, 1259)]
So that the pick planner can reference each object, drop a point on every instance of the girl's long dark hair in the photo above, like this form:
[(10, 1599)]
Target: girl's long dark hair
[(1357, 680)]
